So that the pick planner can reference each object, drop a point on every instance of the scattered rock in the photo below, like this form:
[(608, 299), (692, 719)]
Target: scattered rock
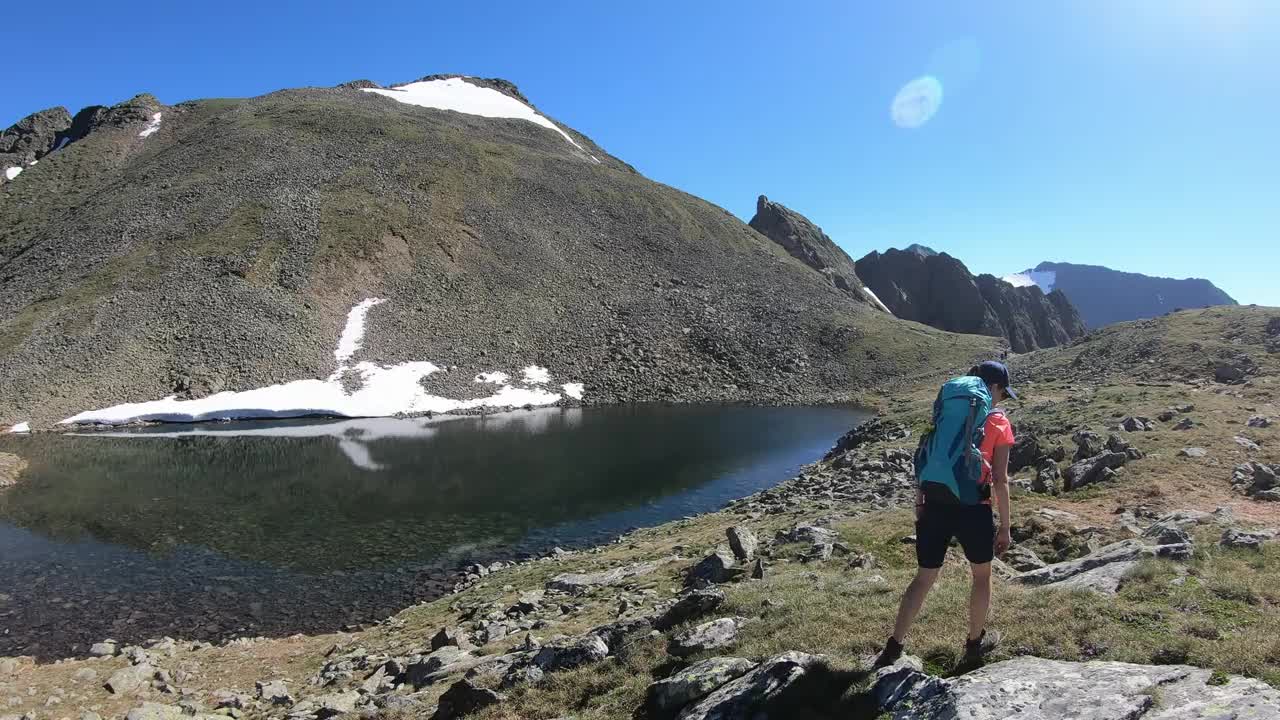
[(737, 699), (335, 704), (1229, 374), (1088, 444), (577, 583), (1048, 479), (1170, 535), (811, 534), (231, 699), (1193, 452), (155, 711), (525, 674), (84, 675), (1253, 478), (1117, 444), (707, 636), (1137, 424), (692, 604), (129, 679), (274, 692), (717, 567), (1126, 551), (567, 653), (1235, 538), (1185, 424), (757, 569), (106, 648), (665, 697), (871, 431), (425, 670), (447, 636), (1091, 470), (1259, 421), (1246, 443), (743, 542), (1023, 559), (462, 698)]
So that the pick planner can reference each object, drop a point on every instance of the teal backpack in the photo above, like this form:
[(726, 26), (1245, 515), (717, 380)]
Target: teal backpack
[(948, 454)]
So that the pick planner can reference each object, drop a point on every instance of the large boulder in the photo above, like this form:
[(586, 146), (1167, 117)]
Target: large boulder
[(568, 653), (1252, 478), (743, 543), (692, 604), (707, 636), (129, 679), (1088, 444), (1038, 689), (716, 567), (667, 696), (462, 698), (811, 534), (426, 670), (1092, 470), (741, 699), (1048, 479), (1086, 572)]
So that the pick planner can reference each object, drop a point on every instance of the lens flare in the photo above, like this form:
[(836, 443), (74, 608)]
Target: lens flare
[(916, 102)]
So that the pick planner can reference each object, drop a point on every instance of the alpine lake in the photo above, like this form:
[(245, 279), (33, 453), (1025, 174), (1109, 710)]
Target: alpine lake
[(214, 531)]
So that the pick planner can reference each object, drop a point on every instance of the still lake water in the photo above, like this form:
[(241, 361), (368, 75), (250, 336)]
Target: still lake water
[(212, 531)]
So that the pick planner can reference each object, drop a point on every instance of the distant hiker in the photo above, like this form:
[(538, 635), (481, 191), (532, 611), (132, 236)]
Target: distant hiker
[(960, 463)]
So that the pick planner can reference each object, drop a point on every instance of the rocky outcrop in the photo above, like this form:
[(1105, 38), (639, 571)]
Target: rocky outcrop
[(1032, 688), (740, 698), (1105, 296), (32, 137), (807, 243), (938, 290), (665, 697)]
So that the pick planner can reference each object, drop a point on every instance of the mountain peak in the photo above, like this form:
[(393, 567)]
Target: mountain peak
[(807, 243)]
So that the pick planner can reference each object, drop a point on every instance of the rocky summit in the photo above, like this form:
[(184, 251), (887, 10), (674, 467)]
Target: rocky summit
[(938, 290), (232, 245), (810, 245), (1106, 296)]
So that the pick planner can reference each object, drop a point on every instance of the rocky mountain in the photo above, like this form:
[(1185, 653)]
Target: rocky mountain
[(938, 290), (807, 243), (1104, 296), (439, 245)]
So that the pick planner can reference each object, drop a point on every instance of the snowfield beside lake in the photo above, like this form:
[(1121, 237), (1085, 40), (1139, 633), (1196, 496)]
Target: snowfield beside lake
[(383, 390)]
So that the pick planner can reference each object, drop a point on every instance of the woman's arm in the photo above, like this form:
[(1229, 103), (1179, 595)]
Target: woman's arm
[(1000, 483)]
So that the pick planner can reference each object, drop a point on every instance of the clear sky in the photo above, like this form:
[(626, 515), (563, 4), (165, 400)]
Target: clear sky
[(1137, 134)]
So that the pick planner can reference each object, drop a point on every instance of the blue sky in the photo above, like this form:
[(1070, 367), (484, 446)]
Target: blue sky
[(1137, 134)]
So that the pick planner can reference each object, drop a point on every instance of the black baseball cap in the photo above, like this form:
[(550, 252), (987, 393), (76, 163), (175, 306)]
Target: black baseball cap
[(995, 373)]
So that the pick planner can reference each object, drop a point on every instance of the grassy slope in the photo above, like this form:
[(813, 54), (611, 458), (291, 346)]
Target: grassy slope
[(1225, 615)]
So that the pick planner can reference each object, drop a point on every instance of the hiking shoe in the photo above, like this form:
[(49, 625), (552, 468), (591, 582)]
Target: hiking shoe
[(977, 649), (892, 651)]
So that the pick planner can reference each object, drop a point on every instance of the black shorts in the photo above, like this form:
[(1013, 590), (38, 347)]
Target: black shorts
[(972, 525)]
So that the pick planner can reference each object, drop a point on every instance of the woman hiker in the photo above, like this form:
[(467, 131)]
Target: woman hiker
[(954, 500)]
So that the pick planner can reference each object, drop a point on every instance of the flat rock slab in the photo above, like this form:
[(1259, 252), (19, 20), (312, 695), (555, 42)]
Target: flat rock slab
[(707, 636), (741, 699), (1031, 688), (694, 683), (1105, 580), (577, 583), (1117, 552)]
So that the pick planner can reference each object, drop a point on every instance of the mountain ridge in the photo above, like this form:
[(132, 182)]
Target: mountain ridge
[(223, 251)]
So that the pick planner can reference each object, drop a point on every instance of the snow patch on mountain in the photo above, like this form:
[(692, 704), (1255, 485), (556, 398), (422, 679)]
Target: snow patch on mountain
[(495, 378), (875, 300), (21, 427), (12, 172), (461, 96), (1045, 280), (573, 390), (151, 127), (383, 390)]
